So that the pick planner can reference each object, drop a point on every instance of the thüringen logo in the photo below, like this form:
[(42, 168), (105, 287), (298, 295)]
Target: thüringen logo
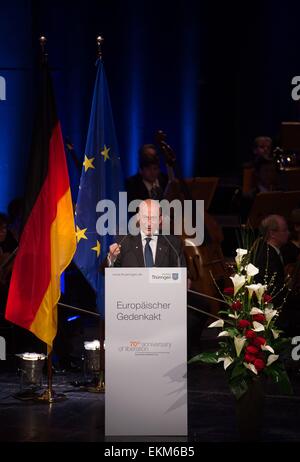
[(2, 89)]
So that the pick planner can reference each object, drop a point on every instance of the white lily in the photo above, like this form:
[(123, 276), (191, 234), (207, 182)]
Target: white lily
[(270, 313), (258, 327), (259, 289), (267, 348), (227, 361), (239, 343), (272, 359), (275, 333), (251, 289), (251, 271), (256, 311), (239, 256), (234, 316), (224, 333), (218, 323), (238, 282), (251, 367)]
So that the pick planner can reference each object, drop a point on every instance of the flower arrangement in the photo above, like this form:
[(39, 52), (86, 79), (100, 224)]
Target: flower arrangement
[(250, 342)]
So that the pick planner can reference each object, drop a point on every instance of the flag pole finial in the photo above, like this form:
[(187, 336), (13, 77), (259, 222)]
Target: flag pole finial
[(43, 42), (100, 40)]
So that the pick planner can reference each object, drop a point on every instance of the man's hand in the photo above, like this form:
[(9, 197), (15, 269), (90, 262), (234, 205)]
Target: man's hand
[(114, 251)]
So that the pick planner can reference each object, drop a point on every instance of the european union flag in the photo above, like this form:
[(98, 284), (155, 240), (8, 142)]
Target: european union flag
[(101, 178)]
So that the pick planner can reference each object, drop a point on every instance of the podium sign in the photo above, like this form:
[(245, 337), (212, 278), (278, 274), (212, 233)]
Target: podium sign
[(145, 351)]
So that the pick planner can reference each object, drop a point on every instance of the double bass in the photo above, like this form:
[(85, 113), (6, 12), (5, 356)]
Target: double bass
[(206, 265)]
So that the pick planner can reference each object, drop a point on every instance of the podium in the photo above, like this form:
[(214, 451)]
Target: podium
[(145, 352)]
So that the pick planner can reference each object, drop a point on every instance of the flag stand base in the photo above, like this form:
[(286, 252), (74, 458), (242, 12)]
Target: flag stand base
[(27, 395), (50, 396), (100, 388)]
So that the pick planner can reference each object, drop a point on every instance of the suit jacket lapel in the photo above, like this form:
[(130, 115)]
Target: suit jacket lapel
[(138, 247), (161, 251)]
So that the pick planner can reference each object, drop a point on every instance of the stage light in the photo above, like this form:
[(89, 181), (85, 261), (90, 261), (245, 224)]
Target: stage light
[(31, 374)]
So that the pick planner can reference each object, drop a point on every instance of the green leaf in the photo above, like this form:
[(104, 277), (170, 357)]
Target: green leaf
[(209, 358), (279, 376), (285, 384), (232, 331), (238, 387), (237, 371)]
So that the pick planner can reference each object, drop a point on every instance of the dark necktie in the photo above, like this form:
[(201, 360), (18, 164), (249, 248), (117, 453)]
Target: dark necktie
[(148, 254), (156, 192), (281, 257)]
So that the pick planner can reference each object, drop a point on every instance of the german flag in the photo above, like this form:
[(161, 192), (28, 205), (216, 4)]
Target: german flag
[(48, 241)]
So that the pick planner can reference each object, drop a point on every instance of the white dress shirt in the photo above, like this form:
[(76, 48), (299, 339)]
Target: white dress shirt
[(150, 186)]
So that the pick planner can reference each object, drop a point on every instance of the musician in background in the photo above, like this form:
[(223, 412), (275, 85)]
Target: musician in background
[(268, 258), (262, 148), (265, 179), (291, 257), (291, 250), (149, 182), (7, 245), (15, 214)]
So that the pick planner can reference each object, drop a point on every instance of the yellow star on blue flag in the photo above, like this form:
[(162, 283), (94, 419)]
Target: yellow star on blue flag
[(105, 152), (88, 163), (97, 248)]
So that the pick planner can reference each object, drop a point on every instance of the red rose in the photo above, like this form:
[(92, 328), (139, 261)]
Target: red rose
[(249, 358), (250, 334), (267, 298), (259, 364), (259, 341), (243, 323), (252, 349), (228, 291), (236, 306), (259, 317)]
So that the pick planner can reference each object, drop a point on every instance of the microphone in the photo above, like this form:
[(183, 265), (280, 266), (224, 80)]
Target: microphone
[(173, 248)]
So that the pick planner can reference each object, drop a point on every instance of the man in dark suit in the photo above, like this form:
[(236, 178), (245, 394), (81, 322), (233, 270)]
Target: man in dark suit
[(149, 183), (267, 255), (148, 248)]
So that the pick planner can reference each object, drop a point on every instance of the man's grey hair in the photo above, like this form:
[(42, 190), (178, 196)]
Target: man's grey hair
[(270, 223), (258, 139)]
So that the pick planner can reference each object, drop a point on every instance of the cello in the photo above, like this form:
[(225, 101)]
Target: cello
[(205, 263)]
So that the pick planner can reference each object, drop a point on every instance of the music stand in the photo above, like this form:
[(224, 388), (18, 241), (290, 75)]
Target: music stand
[(202, 188), (290, 136), (269, 203)]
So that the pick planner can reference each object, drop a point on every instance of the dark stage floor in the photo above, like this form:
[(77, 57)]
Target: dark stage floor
[(80, 418)]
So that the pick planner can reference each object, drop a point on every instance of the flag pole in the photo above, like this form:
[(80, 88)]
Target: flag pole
[(48, 396), (101, 384), (100, 40), (100, 388)]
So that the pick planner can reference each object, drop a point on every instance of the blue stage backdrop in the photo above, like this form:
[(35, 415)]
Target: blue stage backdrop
[(212, 76), (16, 102)]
